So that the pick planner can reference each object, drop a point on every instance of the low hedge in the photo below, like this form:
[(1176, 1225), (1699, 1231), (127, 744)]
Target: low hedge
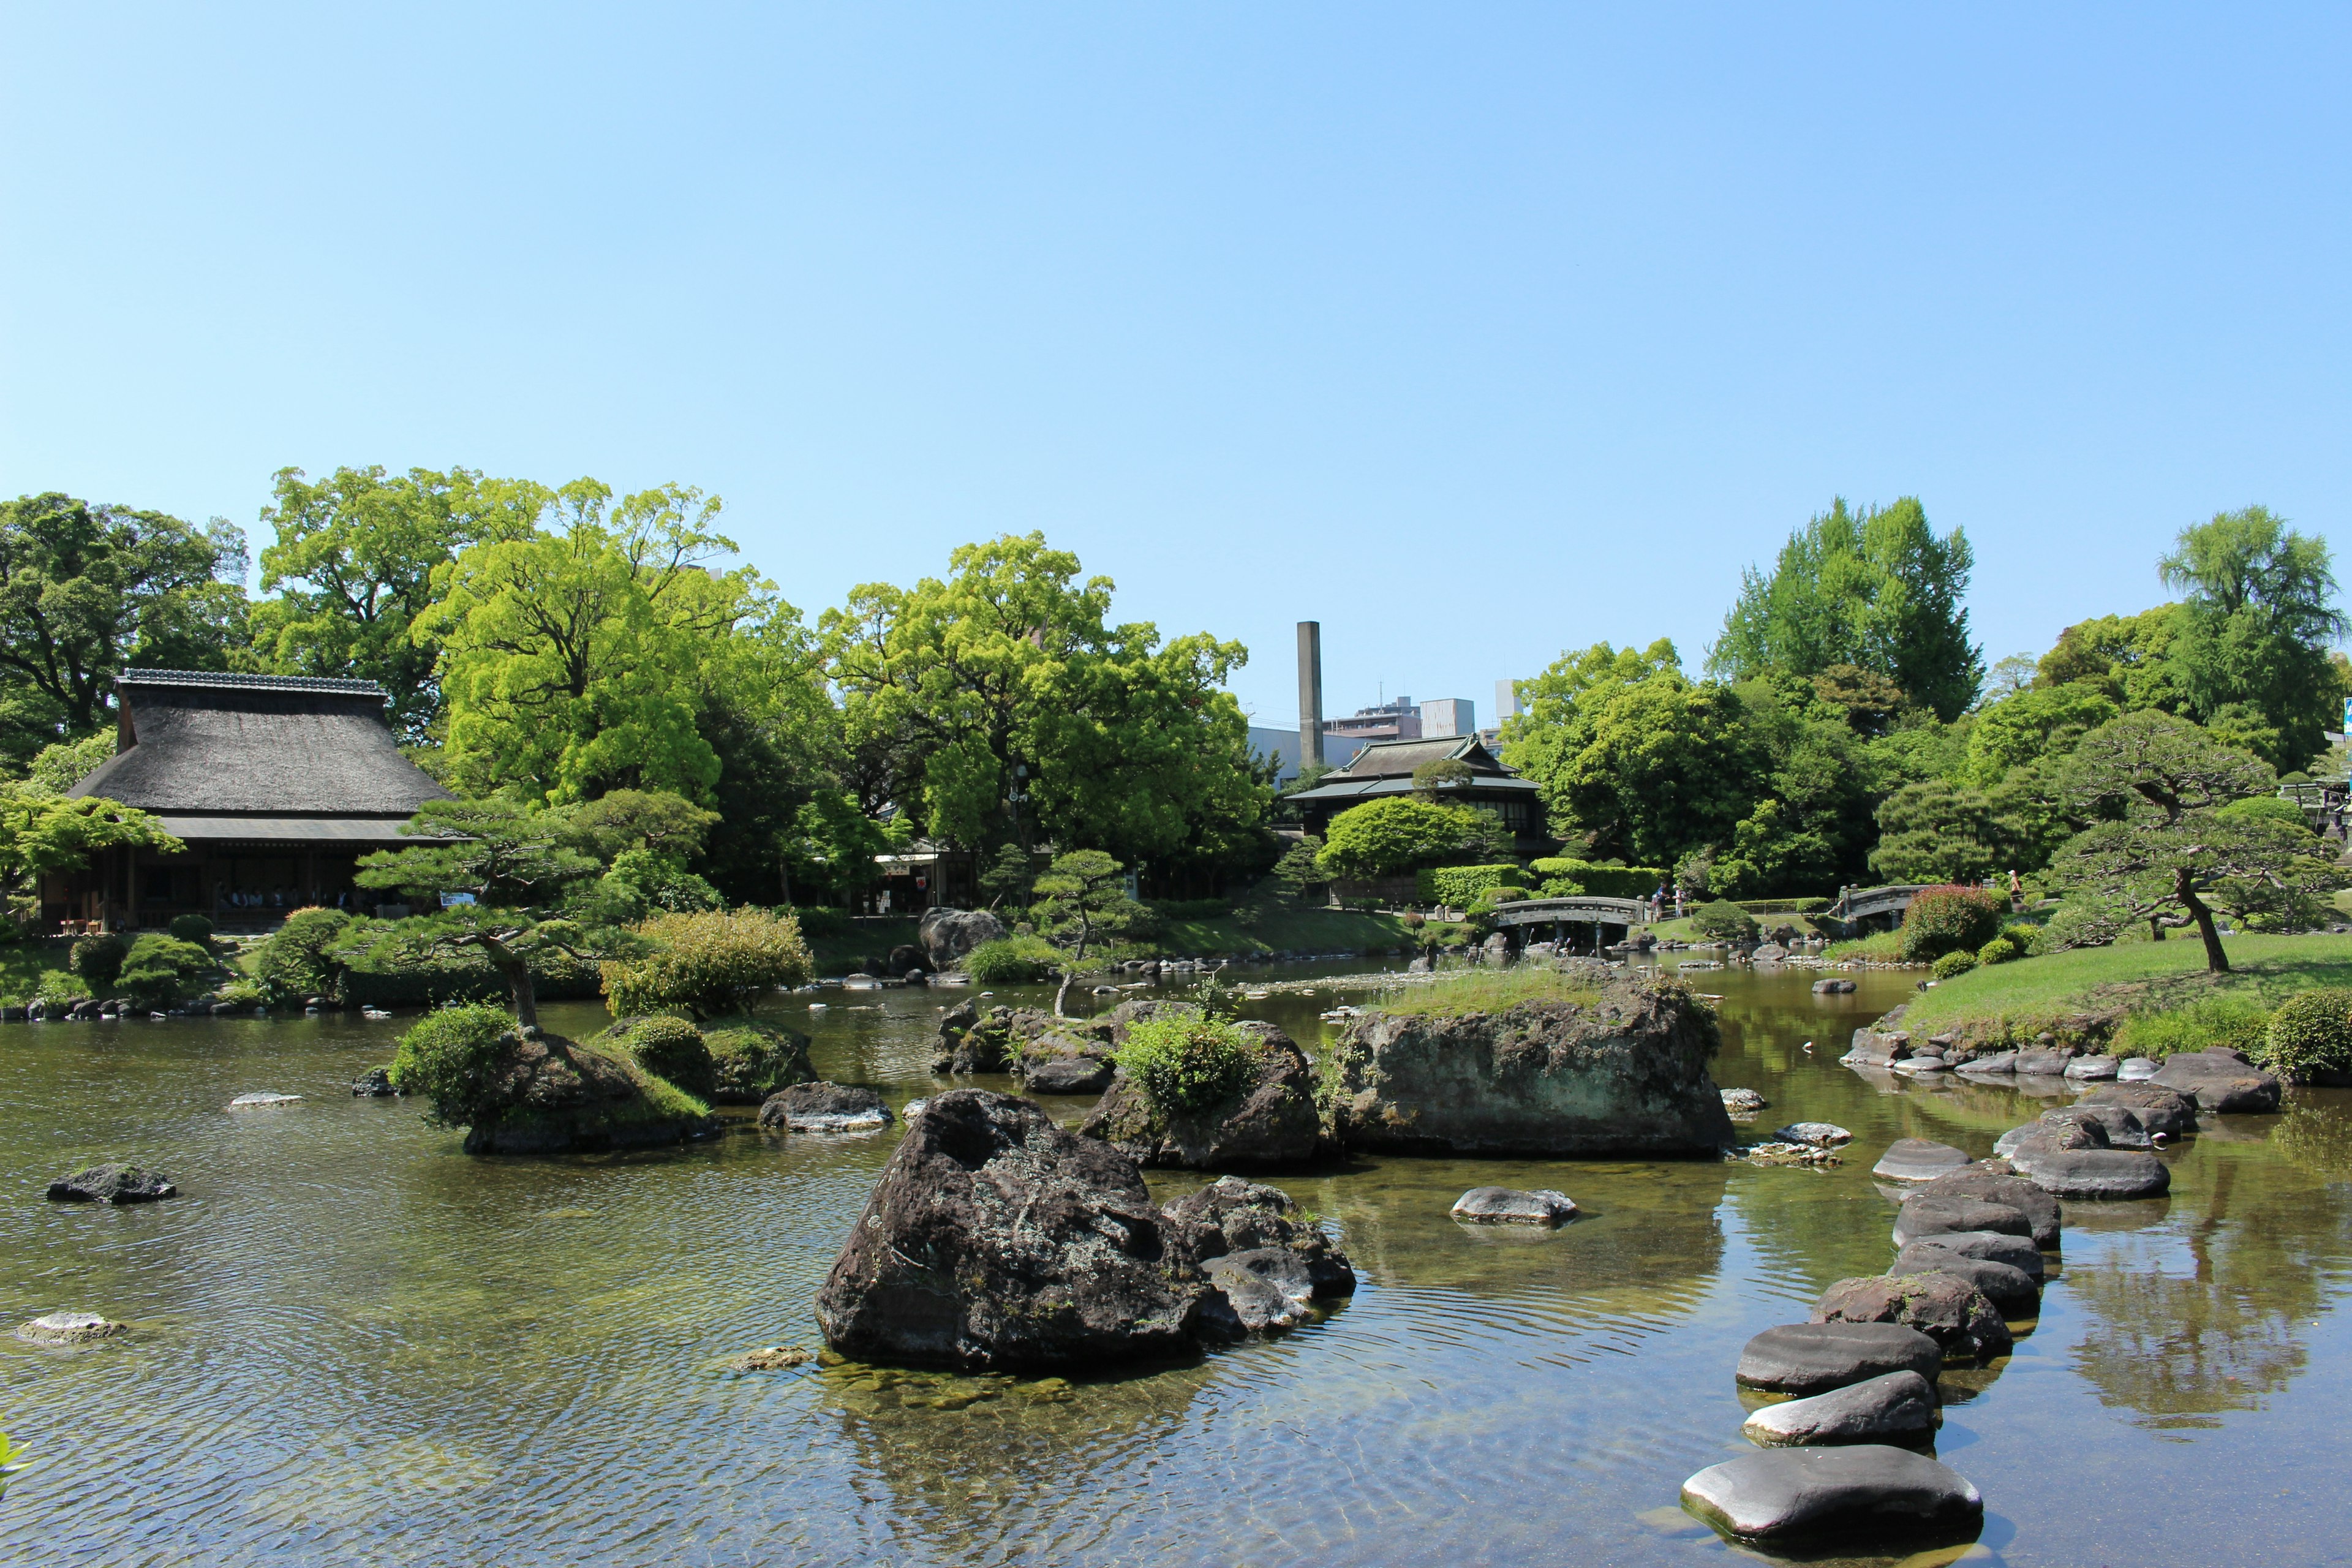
[(1454, 885), (1603, 881)]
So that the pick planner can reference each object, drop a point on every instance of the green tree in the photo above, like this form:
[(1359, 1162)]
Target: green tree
[(1667, 767), (1875, 589), (86, 590), (2258, 611), (1010, 877), (1401, 834), (351, 568), (832, 846), (1081, 896), (2040, 721), (2127, 658), (1936, 831), (42, 833)]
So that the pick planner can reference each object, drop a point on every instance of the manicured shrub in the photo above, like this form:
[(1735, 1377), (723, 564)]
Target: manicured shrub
[(1485, 901), (1186, 1064), (452, 1057), (1456, 886), (1604, 881), (394, 964), (198, 929), (98, 960), (2311, 1032), (708, 964), (1012, 961), (294, 961), (753, 1061), (1398, 836), (1958, 962), (670, 1048), (1950, 918), (159, 970), (2002, 949), (1723, 921)]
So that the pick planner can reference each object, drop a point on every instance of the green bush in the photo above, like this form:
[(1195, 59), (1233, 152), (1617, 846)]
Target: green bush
[(98, 960), (1455, 886), (198, 929), (57, 986), (707, 963), (1604, 881), (1012, 961), (2227, 1022), (1485, 901), (1957, 961), (1723, 921), (159, 970), (669, 1048), (2002, 949), (1950, 918), (2311, 1032), (451, 1056), (1396, 836), (294, 961), (1187, 1064)]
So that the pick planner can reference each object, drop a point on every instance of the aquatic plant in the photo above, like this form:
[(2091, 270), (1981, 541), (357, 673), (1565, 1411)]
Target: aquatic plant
[(11, 1460)]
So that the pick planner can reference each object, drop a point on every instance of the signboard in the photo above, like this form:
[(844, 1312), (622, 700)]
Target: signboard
[(452, 901)]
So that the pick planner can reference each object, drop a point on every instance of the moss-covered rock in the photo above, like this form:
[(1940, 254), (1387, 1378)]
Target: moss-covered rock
[(518, 1090), (1266, 1119), (991, 1042), (666, 1047), (751, 1061)]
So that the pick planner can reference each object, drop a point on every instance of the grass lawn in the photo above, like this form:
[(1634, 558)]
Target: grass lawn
[(1485, 991), (2139, 977), (22, 963)]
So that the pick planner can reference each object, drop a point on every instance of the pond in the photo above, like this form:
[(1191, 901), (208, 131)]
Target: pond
[(353, 1344)]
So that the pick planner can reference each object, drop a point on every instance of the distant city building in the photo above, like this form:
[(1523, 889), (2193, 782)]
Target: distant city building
[(1282, 745), (1447, 716), (1506, 701), (1397, 720)]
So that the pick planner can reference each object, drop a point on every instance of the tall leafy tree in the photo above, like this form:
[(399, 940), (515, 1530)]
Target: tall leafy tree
[(2258, 612), (1876, 589), (2127, 658), (351, 568), (88, 589)]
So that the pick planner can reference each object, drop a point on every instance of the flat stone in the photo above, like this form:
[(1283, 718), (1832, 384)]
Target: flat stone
[(1899, 1407), (2121, 1124), (2040, 1210), (2056, 1129), (113, 1184), (2133, 1069), (2223, 1083), (1814, 1358), (2010, 1289), (1991, 1245), (1864, 1486), (1919, 1065), (246, 1101), (771, 1358), (2092, 1067), (824, 1108), (1925, 1213), (1833, 987), (1819, 1134), (2041, 1061), (2106, 1173), (1918, 1160), (1511, 1205), (2000, 1064), (1944, 1306), (69, 1329), (1742, 1102), (2159, 1108)]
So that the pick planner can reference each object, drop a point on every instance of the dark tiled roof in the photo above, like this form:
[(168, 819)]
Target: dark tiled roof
[(1398, 758), (1338, 786), (269, 745)]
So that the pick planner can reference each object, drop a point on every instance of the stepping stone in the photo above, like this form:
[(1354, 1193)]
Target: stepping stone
[(2041, 1061), (1510, 1205), (1941, 1305), (2014, 1250), (246, 1101), (1897, 1408), (1742, 1102), (1920, 1064), (1814, 1358), (2010, 1289), (113, 1184), (2223, 1083), (1925, 1213), (69, 1328), (824, 1108), (1819, 1134), (1918, 1160), (1796, 1492), (2105, 1174), (2040, 1210), (2092, 1067), (2159, 1108), (1999, 1064), (2119, 1123), (2133, 1069)]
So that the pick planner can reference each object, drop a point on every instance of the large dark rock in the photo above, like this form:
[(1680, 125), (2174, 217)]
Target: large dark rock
[(549, 1095), (2119, 1124), (2012, 1290), (1271, 1123), (825, 1108), (1231, 1214), (993, 1042), (2106, 1173), (2014, 1250), (1899, 1408), (1071, 1074), (2222, 1082), (2159, 1108), (113, 1182), (1886, 1492), (1813, 1358), (1925, 1214), (2041, 1211), (1946, 1307), (1623, 1076), (947, 934), (1545, 1209), (1918, 1160)]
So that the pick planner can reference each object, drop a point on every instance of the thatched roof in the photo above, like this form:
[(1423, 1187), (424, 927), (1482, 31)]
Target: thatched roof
[(263, 745)]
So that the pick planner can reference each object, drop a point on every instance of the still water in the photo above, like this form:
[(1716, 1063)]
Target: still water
[(353, 1344)]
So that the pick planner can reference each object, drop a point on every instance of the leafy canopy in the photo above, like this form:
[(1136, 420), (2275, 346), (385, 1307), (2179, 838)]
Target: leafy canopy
[(1394, 837)]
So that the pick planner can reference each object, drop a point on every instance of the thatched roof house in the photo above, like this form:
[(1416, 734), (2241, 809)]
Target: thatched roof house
[(277, 783)]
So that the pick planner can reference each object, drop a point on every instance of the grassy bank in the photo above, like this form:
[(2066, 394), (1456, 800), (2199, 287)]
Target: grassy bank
[(1469, 991), (2146, 980), (22, 964)]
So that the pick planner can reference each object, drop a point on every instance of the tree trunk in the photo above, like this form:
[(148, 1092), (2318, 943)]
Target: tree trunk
[(2215, 961), (522, 994)]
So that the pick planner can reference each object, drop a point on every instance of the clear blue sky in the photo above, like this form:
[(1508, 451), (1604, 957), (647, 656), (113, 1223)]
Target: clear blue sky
[(1476, 333)]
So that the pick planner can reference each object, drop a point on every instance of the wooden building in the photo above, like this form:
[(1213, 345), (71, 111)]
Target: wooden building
[(1384, 769), (276, 784)]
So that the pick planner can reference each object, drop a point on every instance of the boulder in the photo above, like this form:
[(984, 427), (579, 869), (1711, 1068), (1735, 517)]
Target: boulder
[(2119, 1125), (2041, 1211), (1899, 1408), (973, 1042), (749, 1062), (374, 1084), (1923, 1064), (544, 1094), (1272, 1121), (1833, 987), (1925, 1215), (2103, 1174), (1993, 1063), (2159, 1108), (113, 1182), (2134, 1069), (1514, 1205), (1770, 952), (825, 1108), (2055, 1130), (1066, 1075), (1260, 1291), (69, 1329), (1742, 1102), (1112, 1026), (2042, 1061), (1865, 1487), (907, 959), (1819, 1134), (1814, 1358), (2094, 1068), (1231, 1214), (2012, 1291), (1992, 1247), (1918, 1160), (947, 934), (1946, 1307), (1623, 1076), (2222, 1082)]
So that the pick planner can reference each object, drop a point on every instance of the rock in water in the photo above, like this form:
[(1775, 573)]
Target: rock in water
[(259, 1098), (69, 1328), (1946, 1308), (113, 1184), (544, 1094), (1622, 1076), (996, 1239), (825, 1108), (1835, 987), (1511, 1205), (947, 935), (971, 1042), (1918, 1160), (2040, 1210), (1814, 1358), (1923, 1213), (1066, 1075), (2156, 1107), (1899, 1408), (2222, 1082), (2091, 1068), (1798, 1492), (2133, 1069), (2012, 1290), (1742, 1102), (1819, 1134), (1271, 1123), (2014, 1250), (751, 1062), (2106, 1173), (374, 1084)]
